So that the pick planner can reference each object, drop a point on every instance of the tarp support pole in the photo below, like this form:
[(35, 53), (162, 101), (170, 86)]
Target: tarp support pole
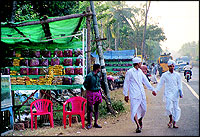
[(50, 20), (46, 29), (77, 27)]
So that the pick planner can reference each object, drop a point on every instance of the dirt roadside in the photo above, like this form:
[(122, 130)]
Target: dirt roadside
[(121, 125), (76, 130)]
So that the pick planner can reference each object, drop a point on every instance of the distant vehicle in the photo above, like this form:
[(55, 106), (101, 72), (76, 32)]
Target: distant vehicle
[(180, 68), (183, 59), (162, 62), (179, 61), (176, 67)]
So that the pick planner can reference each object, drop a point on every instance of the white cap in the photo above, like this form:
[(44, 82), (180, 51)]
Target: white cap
[(171, 62), (136, 60)]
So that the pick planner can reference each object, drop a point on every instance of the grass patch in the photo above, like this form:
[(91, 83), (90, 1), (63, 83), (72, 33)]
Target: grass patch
[(117, 105)]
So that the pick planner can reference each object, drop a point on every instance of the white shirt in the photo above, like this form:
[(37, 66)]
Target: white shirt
[(154, 70), (187, 67), (172, 85), (133, 83)]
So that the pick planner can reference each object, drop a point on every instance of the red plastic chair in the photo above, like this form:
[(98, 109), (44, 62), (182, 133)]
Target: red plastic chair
[(42, 108), (77, 108)]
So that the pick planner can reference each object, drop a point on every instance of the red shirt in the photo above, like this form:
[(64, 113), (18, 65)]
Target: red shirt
[(144, 69)]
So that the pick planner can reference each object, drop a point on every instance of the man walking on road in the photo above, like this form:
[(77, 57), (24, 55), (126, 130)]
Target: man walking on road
[(94, 97), (134, 80), (154, 71), (173, 90)]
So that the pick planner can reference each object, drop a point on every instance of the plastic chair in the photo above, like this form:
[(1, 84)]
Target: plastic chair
[(41, 106), (77, 108)]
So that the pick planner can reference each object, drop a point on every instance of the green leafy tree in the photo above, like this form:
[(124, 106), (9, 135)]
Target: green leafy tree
[(190, 49), (29, 10), (126, 25), (153, 49)]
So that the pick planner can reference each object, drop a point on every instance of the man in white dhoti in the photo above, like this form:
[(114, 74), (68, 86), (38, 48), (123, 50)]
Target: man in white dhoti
[(154, 71), (134, 80), (173, 90)]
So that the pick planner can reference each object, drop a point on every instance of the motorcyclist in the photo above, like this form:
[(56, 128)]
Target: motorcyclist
[(188, 68)]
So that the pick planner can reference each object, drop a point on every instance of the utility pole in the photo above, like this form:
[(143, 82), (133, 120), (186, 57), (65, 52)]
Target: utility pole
[(144, 31), (100, 52), (88, 42)]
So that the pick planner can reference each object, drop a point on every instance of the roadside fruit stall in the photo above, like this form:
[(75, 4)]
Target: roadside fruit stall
[(38, 62)]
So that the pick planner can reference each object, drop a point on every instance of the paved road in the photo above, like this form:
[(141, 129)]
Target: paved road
[(189, 121), (194, 82)]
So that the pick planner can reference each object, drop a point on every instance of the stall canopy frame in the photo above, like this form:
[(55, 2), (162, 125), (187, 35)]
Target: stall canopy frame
[(59, 31)]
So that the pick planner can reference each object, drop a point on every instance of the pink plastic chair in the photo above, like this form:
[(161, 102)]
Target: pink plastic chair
[(77, 108), (42, 108)]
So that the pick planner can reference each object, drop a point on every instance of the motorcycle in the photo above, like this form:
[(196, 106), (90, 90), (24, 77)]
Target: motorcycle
[(187, 76), (148, 75)]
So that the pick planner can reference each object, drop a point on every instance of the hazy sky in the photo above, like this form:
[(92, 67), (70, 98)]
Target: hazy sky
[(179, 20)]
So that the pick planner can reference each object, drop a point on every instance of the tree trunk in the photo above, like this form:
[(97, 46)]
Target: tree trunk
[(101, 31), (109, 37), (100, 52), (115, 43), (12, 19), (118, 36)]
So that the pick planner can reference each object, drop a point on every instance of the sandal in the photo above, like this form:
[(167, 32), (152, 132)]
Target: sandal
[(138, 130), (97, 126), (89, 126), (175, 126), (169, 125)]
